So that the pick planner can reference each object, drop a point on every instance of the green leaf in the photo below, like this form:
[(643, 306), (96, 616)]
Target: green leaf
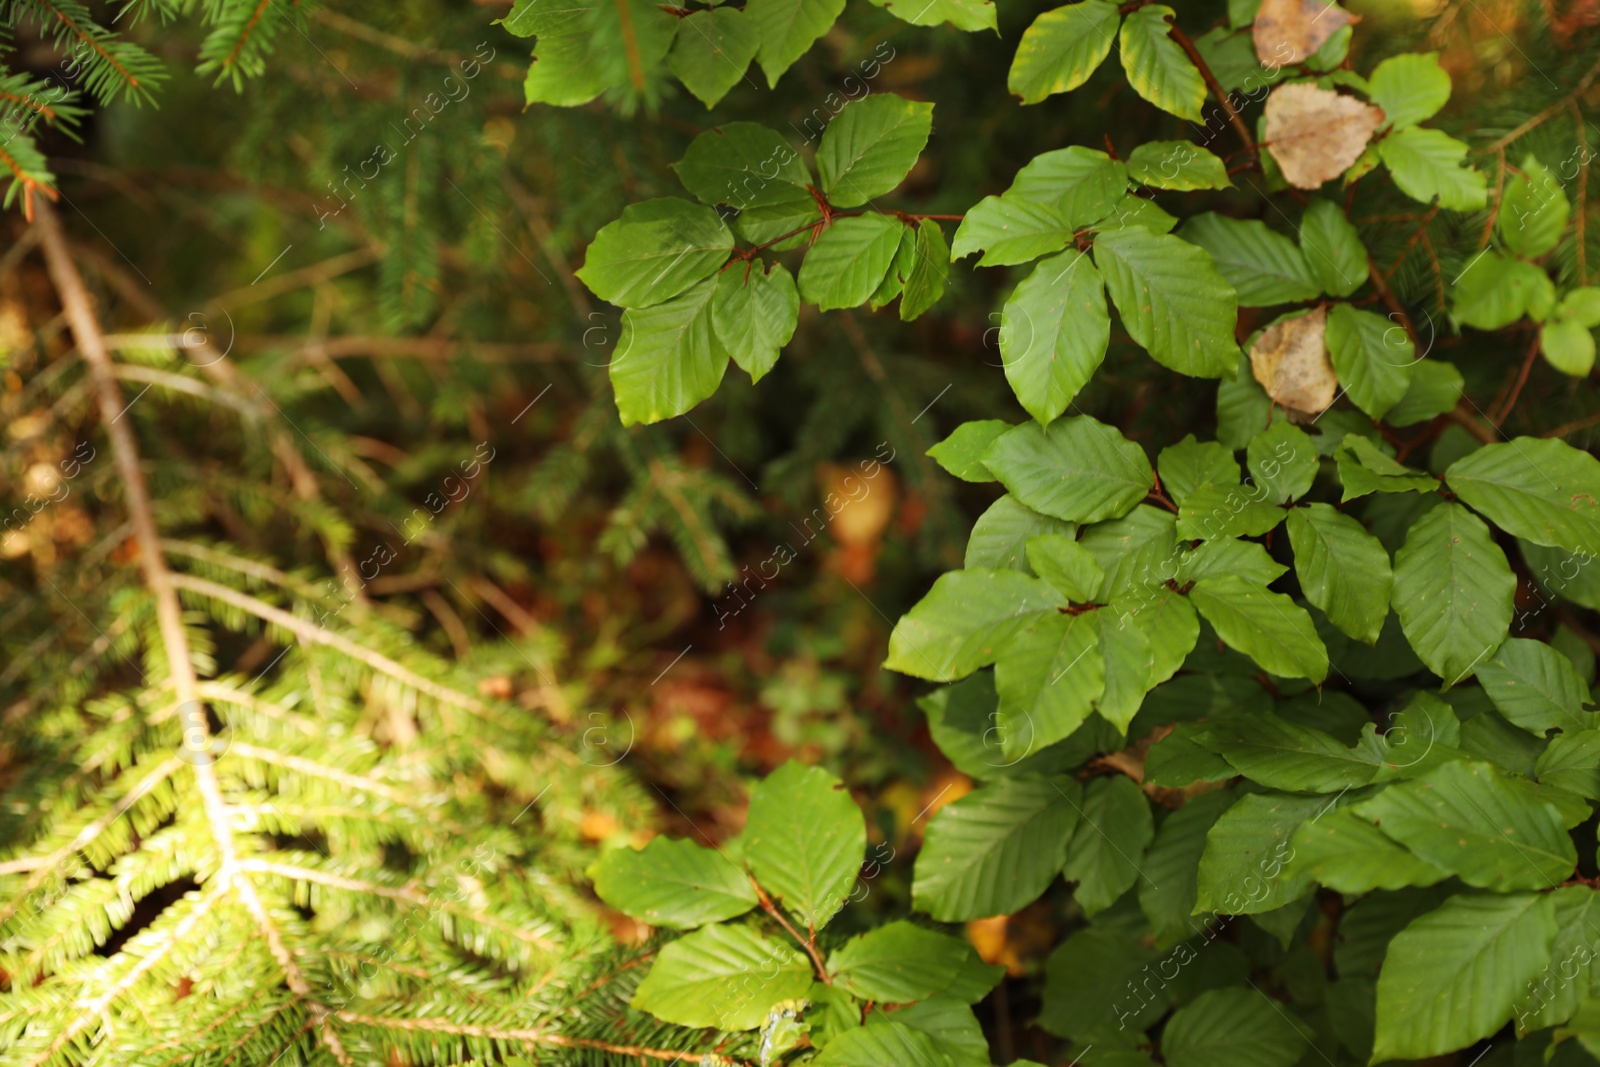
[(961, 453), (1266, 626), (975, 981), (1081, 183), (804, 839), (1231, 1028), (964, 620), (849, 260), (1453, 591), (1427, 164), (1056, 331), (1536, 687), (890, 1045), (1138, 553), (1010, 230), (1538, 488), (1172, 864), (1582, 305), (1048, 675), (1342, 568), (754, 317), (1333, 249), (1410, 87), (1247, 559), (712, 51), (905, 257), (1533, 211), (1263, 266), (742, 164), (1189, 464), (1067, 565), (1556, 995), (1226, 511), (777, 209), (657, 250), (1157, 67), (1435, 388), (1572, 762), (870, 148), (1136, 212), (963, 722), (1348, 854), (1243, 407), (1000, 534), (1172, 300), (673, 883), (1086, 980), (669, 358), (1568, 346), (1062, 48), (1495, 291), (1452, 976), (948, 1022), (1130, 668), (1283, 755), (1372, 356), (1242, 871), (1567, 575), (1108, 845), (1283, 461), (726, 977), (788, 29), (1473, 820), (969, 15), (929, 271), (1364, 469), (1078, 469), (898, 963), (1180, 165), (995, 850)]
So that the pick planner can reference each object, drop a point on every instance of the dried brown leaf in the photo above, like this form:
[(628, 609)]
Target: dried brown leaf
[(1291, 31), (1290, 360), (1315, 134)]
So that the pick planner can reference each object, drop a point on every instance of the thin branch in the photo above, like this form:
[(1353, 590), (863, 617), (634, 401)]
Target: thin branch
[(1239, 125), (310, 631), (807, 943), (404, 894), (1583, 188), (1544, 116), (1522, 379)]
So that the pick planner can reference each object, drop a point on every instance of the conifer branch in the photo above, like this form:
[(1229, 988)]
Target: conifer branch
[(531, 1036), (160, 581), (309, 631)]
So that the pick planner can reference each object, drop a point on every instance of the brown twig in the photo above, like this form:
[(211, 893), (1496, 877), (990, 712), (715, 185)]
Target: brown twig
[(1583, 188), (807, 943), (1522, 379), (1223, 98)]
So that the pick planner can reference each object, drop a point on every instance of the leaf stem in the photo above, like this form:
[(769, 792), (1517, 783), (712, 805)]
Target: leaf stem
[(808, 943)]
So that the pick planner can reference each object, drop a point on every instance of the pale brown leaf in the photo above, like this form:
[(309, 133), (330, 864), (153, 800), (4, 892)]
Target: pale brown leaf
[(1290, 360), (1291, 31), (1315, 134)]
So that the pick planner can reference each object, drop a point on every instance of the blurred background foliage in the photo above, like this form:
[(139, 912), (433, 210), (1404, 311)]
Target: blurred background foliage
[(397, 284)]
